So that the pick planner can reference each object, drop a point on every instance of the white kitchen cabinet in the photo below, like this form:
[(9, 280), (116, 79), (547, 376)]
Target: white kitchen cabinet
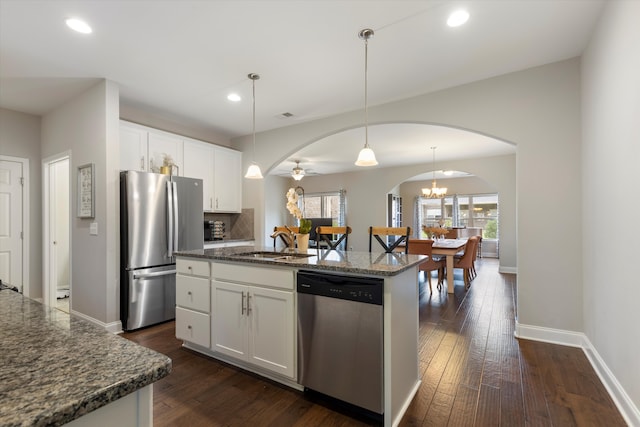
[(254, 324), (199, 163), (144, 149), (227, 180), (193, 296), (161, 145), (133, 147), (220, 170)]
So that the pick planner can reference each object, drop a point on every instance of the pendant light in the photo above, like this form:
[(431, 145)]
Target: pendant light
[(366, 156), (434, 192), (254, 170), (297, 173)]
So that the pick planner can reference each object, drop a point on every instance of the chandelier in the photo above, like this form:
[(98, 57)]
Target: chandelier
[(254, 170), (366, 156), (297, 173), (434, 192)]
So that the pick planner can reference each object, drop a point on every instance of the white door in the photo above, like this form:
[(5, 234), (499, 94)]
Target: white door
[(59, 227), (11, 227)]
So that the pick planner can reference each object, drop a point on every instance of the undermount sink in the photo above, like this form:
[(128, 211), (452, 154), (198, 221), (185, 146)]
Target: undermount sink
[(274, 256)]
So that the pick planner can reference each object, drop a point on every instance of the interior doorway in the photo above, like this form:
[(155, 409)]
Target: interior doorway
[(14, 222), (56, 235)]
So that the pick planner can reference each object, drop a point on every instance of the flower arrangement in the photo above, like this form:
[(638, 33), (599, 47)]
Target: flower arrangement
[(292, 207)]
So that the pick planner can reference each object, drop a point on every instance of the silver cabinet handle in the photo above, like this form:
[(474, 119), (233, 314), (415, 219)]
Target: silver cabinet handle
[(242, 304), (142, 163), (248, 303)]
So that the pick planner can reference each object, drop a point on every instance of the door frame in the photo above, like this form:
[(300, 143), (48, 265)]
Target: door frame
[(26, 234), (49, 295)]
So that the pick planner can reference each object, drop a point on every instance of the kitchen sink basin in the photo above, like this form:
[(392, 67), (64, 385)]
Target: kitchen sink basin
[(274, 256)]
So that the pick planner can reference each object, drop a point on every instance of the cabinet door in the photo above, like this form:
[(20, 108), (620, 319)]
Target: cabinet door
[(162, 145), (271, 335), (229, 320), (227, 180), (133, 148), (199, 163)]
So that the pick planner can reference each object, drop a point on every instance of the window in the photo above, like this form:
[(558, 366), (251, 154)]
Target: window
[(325, 205), (474, 210)]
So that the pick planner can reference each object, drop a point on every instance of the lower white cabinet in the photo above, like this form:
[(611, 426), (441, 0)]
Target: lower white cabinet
[(193, 296), (254, 324), (193, 326)]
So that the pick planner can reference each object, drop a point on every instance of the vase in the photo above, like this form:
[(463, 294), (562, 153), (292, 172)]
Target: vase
[(303, 242)]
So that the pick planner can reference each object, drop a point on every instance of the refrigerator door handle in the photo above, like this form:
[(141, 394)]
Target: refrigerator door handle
[(148, 275), (170, 235), (176, 220)]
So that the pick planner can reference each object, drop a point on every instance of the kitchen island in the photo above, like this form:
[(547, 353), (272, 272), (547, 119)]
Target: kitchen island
[(58, 369), (240, 305)]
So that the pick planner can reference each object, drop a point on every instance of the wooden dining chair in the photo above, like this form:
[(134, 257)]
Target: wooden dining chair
[(425, 247), (465, 262), (326, 234), (401, 235)]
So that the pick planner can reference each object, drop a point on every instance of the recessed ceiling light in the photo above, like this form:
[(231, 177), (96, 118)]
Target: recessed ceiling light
[(457, 18), (79, 26), (234, 97)]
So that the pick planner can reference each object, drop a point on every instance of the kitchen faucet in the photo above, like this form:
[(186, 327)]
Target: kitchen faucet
[(289, 236)]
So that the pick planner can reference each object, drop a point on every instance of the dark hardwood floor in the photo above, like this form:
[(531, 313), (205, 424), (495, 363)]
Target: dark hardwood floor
[(474, 373)]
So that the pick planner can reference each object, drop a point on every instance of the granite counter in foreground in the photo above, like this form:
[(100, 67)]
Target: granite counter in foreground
[(56, 368), (369, 263)]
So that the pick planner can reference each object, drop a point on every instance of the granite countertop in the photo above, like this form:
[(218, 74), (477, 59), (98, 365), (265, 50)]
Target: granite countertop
[(56, 368), (370, 263)]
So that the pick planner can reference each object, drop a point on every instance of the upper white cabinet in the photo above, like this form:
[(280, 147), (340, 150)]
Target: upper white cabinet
[(133, 147), (165, 146), (145, 149), (227, 180), (220, 168), (199, 163), (221, 172)]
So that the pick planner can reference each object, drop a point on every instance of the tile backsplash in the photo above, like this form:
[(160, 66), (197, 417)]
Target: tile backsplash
[(237, 226)]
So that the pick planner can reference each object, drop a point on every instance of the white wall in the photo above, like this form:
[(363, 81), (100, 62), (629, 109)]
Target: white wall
[(20, 137), (88, 127), (611, 151), (538, 110)]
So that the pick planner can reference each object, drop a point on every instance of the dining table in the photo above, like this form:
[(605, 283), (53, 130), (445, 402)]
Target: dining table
[(448, 248)]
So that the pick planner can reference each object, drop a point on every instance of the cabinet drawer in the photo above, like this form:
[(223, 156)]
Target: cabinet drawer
[(280, 278), (193, 327), (192, 267), (193, 292)]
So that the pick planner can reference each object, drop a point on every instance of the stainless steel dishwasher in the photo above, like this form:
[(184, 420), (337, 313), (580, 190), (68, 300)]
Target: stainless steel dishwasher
[(340, 337)]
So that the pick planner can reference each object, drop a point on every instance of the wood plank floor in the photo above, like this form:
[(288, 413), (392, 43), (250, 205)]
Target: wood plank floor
[(474, 373)]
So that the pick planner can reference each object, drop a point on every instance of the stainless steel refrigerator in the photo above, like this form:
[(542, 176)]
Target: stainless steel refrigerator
[(159, 214)]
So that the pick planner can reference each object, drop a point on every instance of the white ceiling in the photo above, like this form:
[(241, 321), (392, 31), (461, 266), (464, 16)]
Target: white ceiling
[(179, 60)]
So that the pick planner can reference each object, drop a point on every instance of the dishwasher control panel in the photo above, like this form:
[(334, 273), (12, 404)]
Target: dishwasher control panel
[(353, 288)]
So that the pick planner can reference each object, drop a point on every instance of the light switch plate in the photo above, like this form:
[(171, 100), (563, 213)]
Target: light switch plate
[(93, 229)]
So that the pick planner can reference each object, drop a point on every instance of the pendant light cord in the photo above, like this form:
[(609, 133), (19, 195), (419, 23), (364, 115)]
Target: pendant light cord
[(253, 81), (366, 103)]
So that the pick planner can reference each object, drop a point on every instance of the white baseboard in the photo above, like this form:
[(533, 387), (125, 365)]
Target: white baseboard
[(113, 327), (508, 270), (623, 402)]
